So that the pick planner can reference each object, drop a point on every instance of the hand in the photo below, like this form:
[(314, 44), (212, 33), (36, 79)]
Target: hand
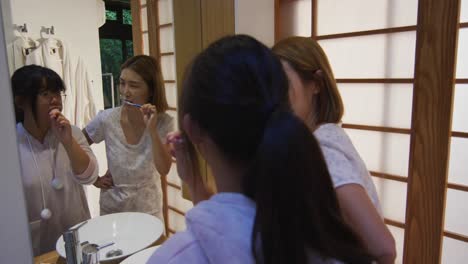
[(104, 182), (150, 116), (179, 150), (61, 127)]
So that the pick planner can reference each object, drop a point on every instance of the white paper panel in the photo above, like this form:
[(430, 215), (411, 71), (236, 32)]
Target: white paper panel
[(175, 199), (377, 104), (144, 19), (296, 18), (171, 94), (143, 2), (399, 235), (382, 152), (145, 44), (165, 11), (458, 168), (166, 35), (173, 114), (338, 16), (172, 176), (464, 11), (460, 108), (376, 56), (168, 67), (456, 212), (176, 221), (392, 196), (454, 251), (462, 55)]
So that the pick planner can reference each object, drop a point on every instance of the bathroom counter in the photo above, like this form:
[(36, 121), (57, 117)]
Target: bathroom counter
[(49, 258), (54, 258)]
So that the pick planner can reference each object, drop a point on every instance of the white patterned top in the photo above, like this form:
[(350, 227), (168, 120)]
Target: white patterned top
[(343, 161), (136, 179)]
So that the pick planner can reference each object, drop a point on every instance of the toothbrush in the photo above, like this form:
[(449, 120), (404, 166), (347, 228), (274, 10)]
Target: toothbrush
[(132, 104)]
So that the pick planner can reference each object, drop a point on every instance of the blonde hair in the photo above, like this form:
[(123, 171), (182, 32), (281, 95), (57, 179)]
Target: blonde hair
[(150, 70), (309, 61)]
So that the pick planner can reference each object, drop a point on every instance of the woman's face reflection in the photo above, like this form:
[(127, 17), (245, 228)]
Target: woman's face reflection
[(133, 88)]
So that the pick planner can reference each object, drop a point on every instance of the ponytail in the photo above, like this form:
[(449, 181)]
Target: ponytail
[(297, 216)]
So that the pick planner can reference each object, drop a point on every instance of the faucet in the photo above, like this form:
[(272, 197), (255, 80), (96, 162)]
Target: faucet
[(72, 245)]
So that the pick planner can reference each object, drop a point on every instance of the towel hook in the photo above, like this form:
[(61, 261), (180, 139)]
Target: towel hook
[(23, 28)]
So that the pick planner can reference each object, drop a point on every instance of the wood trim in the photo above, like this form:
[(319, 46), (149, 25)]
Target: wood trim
[(388, 176), (378, 128), (436, 46), (314, 25), (367, 32), (172, 208), (136, 27), (143, 5), (456, 236), (459, 134), (277, 20), (172, 108), (144, 32), (169, 81), (165, 25), (153, 32), (375, 80), (217, 20), (165, 202), (166, 53), (458, 187), (395, 223), (461, 81), (172, 231), (173, 185), (464, 25)]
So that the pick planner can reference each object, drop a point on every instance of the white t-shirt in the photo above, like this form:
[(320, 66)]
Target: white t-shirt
[(136, 179), (343, 161), (68, 205)]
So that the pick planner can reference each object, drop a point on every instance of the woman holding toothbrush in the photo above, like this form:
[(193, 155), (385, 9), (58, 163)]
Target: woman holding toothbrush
[(134, 133)]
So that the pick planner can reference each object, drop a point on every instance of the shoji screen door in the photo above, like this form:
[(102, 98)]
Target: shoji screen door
[(455, 241), (153, 35), (397, 109)]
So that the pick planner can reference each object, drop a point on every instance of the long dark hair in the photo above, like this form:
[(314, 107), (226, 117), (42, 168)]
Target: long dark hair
[(236, 91), (28, 81)]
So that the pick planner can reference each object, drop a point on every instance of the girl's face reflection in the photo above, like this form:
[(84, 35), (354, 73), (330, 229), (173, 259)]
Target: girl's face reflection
[(133, 88)]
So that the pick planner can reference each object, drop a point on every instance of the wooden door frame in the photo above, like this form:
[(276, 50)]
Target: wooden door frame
[(434, 80)]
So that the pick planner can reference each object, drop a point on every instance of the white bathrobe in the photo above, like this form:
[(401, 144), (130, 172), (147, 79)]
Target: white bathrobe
[(22, 46)]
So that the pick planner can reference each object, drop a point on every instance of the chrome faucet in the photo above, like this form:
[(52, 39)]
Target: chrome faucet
[(72, 245)]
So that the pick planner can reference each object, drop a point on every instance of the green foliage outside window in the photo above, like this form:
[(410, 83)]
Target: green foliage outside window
[(111, 15), (127, 16)]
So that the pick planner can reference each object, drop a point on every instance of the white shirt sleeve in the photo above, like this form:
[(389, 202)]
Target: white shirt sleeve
[(341, 168), (96, 127)]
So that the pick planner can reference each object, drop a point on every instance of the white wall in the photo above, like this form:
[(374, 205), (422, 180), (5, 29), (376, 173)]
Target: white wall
[(257, 19), (15, 245), (75, 22)]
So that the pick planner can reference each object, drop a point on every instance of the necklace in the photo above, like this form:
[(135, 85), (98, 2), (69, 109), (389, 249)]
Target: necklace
[(56, 183)]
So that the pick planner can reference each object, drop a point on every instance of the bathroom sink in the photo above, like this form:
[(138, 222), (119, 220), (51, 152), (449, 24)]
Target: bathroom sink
[(130, 232), (140, 257)]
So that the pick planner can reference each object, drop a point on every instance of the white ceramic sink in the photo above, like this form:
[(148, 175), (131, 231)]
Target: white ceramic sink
[(131, 232), (141, 257)]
